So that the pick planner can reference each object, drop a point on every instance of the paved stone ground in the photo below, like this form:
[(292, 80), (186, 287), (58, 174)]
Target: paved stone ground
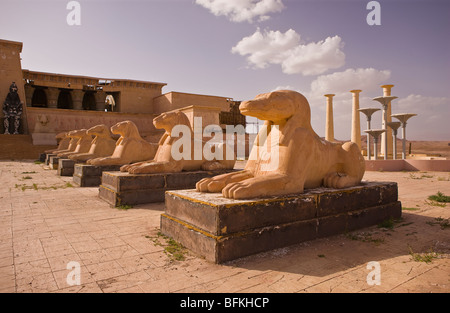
[(45, 223)]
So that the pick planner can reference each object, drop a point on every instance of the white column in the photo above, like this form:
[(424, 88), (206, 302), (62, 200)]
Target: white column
[(388, 134), (356, 126), (329, 127)]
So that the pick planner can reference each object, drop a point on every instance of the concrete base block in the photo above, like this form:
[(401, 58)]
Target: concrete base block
[(53, 163), (86, 175), (42, 157), (221, 229), (47, 158), (65, 167), (118, 188)]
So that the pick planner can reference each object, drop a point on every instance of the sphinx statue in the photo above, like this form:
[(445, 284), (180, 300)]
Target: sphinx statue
[(64, 141), (129, 148), (73, 140), (164, 162), (83, 143), (103, 144), (287, 156)]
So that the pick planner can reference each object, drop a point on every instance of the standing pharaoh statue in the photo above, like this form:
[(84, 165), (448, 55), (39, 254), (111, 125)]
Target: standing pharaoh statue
[(12, 109)]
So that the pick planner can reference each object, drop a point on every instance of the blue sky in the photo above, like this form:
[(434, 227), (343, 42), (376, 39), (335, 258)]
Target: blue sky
[(240, 48)]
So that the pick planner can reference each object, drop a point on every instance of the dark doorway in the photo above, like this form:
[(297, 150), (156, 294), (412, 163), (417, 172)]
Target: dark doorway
[(64, 100), (89, 101), (39, 98)]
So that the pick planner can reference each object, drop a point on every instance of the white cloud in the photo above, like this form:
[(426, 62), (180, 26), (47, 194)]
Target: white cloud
[(275, 47), (418, 103), (242, 10), (431, 122), (266, 48), (340, 83), (286, 87), (315, 58), (429, 109)]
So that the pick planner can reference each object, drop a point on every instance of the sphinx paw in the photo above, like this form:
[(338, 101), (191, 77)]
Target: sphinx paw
[(339, 180), (209, 185)]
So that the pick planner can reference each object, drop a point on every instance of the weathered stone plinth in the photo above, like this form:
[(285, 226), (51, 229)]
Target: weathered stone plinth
[(53, 163), (86, 175), (42, 157), (119, 188), (47, 158), (65, 167), (221, 229)]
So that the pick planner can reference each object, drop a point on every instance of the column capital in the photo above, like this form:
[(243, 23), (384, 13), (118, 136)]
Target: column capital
[(387, 89), (52, 92), (52, 97), (329, 95), (354, 91)]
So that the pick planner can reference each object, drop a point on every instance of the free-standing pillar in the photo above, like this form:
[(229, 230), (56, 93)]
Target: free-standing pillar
[(394, 126), (387, 136), (375, 133), (329, 125), (368, 113), (384, 101), (403, 118), (356, 126)]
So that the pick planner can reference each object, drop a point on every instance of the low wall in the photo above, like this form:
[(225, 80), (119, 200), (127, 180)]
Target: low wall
[(408, 165), (45, 120)]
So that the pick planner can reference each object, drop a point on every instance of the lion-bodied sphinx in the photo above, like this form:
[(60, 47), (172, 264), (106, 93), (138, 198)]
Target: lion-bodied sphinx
[(64, 141), (101, 146), (299, 159), (129, 148), (70, 146), (164, 161), (83, 143)]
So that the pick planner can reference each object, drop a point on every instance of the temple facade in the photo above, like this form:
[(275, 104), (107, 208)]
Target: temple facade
[(54, 103)]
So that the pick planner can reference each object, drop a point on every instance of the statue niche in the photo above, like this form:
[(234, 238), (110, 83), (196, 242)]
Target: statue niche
[(12, 110)]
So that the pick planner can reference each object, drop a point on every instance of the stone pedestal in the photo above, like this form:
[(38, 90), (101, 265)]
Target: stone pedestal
[(86, 175), (120, 188), (42, 157), (65, 167), (47, 158), (53, 163), (221, 229)]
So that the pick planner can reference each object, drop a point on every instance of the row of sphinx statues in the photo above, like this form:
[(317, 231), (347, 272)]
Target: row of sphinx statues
[(96, 146), (299, 159)]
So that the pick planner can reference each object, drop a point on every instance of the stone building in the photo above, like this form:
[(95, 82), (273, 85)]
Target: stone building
[(55, 103)]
